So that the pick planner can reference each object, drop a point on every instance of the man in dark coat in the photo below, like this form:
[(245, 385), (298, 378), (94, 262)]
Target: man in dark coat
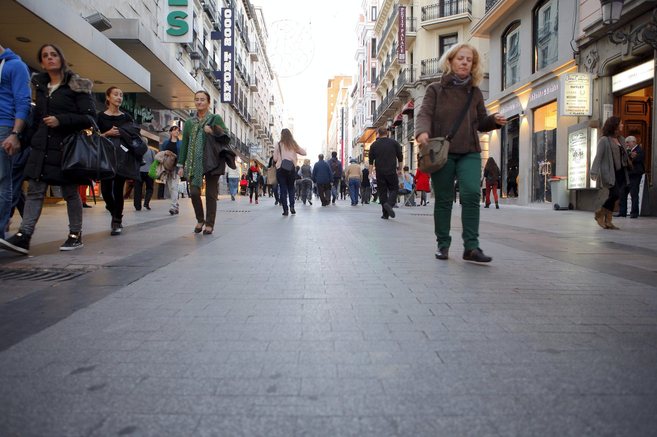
[(322, 176), (386, 157), (336, 170), (636, 155)]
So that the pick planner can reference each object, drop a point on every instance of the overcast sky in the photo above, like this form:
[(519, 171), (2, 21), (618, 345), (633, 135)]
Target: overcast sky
[(332, 26)]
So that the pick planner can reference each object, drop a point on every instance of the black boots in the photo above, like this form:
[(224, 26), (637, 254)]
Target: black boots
[(476, 255), (116, 226)]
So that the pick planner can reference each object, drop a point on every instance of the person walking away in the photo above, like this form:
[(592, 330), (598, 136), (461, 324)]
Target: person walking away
[(192, 157), (442, 105), (385, 157), (512, 181), (306, 173), (271, 179), (635, 172), (253, 176), (117, 126), (353, 174), (323, 177), (232, 180), (15, 101), (609, 169), (422, 185), (365, 187), (336, 171), (172, 144), (147, 160), (492, 177), (64, 105), (286, 150)]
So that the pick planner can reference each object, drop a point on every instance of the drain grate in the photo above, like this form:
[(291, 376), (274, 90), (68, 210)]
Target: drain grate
[(423, 215), (236, 210), (47, 275)]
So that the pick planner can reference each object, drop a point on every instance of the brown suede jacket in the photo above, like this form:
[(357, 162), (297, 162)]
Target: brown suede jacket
[(441, 106)]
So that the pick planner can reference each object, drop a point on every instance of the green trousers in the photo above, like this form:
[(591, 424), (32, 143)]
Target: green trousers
[(467, 170)]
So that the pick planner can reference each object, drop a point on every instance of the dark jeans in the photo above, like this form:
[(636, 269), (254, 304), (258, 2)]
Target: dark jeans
[(36, 194), (633, 190), (387, 186), (616, 190), (324, 191), (253, 189), (354, 190), (211, 193), (145, 179), (306, 190), (112, 191), (286, 185)]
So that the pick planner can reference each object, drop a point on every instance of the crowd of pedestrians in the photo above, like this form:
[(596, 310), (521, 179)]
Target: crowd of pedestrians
[(33, 137)]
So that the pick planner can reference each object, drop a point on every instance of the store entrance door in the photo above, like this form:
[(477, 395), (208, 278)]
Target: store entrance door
[(510, 157), (635, 109)]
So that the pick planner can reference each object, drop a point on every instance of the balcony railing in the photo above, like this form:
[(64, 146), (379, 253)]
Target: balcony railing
[(389, 23), (210, 9), (405, 78), (411, 25), (490, 4), (410, 127), (446, 8), (429, 68)]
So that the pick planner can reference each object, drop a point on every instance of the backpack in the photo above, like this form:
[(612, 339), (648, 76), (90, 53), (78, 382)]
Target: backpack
[(335, 168)]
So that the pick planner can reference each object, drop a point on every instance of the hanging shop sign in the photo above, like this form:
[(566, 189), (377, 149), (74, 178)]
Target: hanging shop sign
[(401, 36), (576, 98), (582, 145), (178, 16), (633, 76), (227, 76)]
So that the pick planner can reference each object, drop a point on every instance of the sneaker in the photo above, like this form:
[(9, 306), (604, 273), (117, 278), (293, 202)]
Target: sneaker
[(173, 211), (148, 207), (86, 205), (232, 197), (476, 255), (19, 243), (389, 210), (292, 210), (74, 241)]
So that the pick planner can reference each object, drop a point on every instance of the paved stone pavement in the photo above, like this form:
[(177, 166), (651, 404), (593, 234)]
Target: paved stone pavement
[(333, 322)]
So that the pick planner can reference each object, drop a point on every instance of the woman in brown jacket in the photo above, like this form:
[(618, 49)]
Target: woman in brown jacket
[(441, 107)]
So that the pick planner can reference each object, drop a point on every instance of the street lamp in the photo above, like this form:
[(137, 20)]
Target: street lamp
[(646, 33), (196, 63), (611, 11)]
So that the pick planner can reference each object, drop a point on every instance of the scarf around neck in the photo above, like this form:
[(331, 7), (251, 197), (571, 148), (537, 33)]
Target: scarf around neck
[(457, 81)]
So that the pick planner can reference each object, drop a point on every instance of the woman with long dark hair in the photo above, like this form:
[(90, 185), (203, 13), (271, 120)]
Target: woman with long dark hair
[(609, 169), (492, 179), (112, 124), (287, 149), (192, 157), (64, 105)]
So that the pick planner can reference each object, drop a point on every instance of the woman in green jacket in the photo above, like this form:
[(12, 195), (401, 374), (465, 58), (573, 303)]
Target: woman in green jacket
[(192, 158)]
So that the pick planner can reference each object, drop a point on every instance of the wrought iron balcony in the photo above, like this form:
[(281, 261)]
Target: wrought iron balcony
[(429, 68), (446, 9), (490, 4)]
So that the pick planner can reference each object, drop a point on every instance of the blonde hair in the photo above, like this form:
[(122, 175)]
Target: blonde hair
[(288, 141), (306, 161), (445, 62)]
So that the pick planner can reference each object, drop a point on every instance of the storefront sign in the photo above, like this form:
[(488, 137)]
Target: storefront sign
[(544, 94), (178, 15), (510, 108), (582, 143), (577, 159), (633, 76), (576, 98), (401, 36), (227, 56)]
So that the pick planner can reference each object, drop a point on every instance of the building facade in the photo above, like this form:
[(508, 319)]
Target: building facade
[(337, 113), (530, 54), (620, 57), (129, 44)]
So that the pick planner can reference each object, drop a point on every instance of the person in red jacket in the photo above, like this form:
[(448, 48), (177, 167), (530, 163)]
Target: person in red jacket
[(422, 185), (253, 176)]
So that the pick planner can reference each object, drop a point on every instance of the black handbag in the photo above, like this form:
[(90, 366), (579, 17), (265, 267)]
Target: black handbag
[(286, 164), (88, 155)]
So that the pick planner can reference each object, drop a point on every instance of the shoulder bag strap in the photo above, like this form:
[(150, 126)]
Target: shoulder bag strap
[(461, 116)]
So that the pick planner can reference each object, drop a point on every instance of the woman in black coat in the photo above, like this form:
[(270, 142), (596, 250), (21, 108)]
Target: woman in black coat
[(120, 129), (64, 105)]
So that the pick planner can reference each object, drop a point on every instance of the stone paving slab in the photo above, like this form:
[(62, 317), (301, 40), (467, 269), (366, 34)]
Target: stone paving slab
[(334, 322)]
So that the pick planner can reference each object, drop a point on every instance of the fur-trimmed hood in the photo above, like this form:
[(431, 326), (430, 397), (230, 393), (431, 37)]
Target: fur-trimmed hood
[(73, 80)]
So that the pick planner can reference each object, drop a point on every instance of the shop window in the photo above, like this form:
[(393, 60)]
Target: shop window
[(546, 29), (445, 42), (511, 55), (373, 13), (544, 151)]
